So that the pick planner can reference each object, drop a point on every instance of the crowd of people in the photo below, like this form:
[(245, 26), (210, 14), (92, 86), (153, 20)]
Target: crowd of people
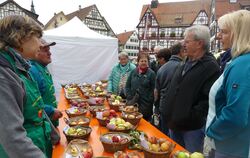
[(203, 103)]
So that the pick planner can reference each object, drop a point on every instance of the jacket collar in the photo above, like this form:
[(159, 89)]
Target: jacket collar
[(20, 63)]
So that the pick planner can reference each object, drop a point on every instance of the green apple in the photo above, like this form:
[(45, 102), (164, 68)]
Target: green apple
[(196, 155), (182, 155)]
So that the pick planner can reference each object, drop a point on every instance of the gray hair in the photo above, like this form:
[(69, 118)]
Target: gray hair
[(158, 48), (200, 32), (123, 54)]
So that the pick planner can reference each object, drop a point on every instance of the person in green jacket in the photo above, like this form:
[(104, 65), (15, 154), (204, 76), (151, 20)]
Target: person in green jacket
[(118, 77), (24, 131), (44, 80)]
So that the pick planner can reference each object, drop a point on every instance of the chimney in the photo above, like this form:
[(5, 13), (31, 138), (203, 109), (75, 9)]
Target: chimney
[(80, 7), (154, 3), (54, 14)]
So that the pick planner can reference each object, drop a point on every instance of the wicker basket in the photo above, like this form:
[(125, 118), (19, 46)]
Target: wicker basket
[(93, 112), (84, 137), (74, 121), (134, 121), (115, 107), (82, 112), (113, 147), (136, 109), (104, 81), (153, 154), (122, 131)]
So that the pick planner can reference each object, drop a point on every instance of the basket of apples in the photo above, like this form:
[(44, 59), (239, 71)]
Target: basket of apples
[(94, 109), (79, 103), (77, 121), (96, 101), (155, 147), (76, 111), (105, 116), (115, 141), (130, 109), (119, 125), (78, 148), (133, 118), (77, 132), (116, 102)]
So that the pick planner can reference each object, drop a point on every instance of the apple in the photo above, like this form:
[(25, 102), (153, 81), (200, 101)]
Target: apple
[(161, 140), (152, 140), (115, 139), (165, 146), (196, 155), (112, 112), (87, 155), (155, 147), (182, 154), (74, 151), (131, 116), (105, 113)]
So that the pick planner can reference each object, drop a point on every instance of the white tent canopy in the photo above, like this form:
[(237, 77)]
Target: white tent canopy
[(80, 55)]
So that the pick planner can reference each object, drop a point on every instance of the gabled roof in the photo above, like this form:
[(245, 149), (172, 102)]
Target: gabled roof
[(53, 19), (81, 14), (27, 12), (224, 6), (123, 37), (166, 13)]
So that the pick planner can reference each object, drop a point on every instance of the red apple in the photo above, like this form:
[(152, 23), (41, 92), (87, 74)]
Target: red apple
[(87, 155), (115, 139), (152, 140), (112, 111)]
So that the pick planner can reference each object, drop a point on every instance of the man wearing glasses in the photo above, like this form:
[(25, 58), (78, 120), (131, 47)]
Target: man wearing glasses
[(186, 104)]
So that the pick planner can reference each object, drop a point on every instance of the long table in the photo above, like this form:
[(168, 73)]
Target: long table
[(58, 151)]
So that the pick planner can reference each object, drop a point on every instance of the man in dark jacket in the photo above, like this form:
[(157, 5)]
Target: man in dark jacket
[(163, 79), (186, 105)]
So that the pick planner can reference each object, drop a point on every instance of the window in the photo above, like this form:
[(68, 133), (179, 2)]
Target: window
[(233, 1), (178, 19), (247, 8), (201, 18), (94, 14)]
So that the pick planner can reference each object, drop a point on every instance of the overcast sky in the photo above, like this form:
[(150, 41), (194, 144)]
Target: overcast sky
[(120, 14)]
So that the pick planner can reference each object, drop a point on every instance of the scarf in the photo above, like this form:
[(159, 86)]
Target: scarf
[(142, 70), (124, 68)]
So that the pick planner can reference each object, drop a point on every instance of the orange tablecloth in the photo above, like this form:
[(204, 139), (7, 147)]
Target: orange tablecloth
[(97, 130)]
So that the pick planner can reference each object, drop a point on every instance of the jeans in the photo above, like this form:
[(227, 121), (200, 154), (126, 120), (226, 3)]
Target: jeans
[(191, 140), (216, 154), (164, 127)]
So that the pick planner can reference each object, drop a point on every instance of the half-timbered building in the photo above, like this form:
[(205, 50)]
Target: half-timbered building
[(10, 7), (164, 23), (89, 16), (219, 8), (129, 43)]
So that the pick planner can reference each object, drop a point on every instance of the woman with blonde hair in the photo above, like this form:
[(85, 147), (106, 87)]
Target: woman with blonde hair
[(24, 132), (228, 121)]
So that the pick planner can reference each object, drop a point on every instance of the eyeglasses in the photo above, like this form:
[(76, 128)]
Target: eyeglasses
[(189, 41)]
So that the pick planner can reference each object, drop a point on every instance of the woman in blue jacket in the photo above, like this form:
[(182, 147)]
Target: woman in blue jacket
[(228, 121), (119, 75)]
